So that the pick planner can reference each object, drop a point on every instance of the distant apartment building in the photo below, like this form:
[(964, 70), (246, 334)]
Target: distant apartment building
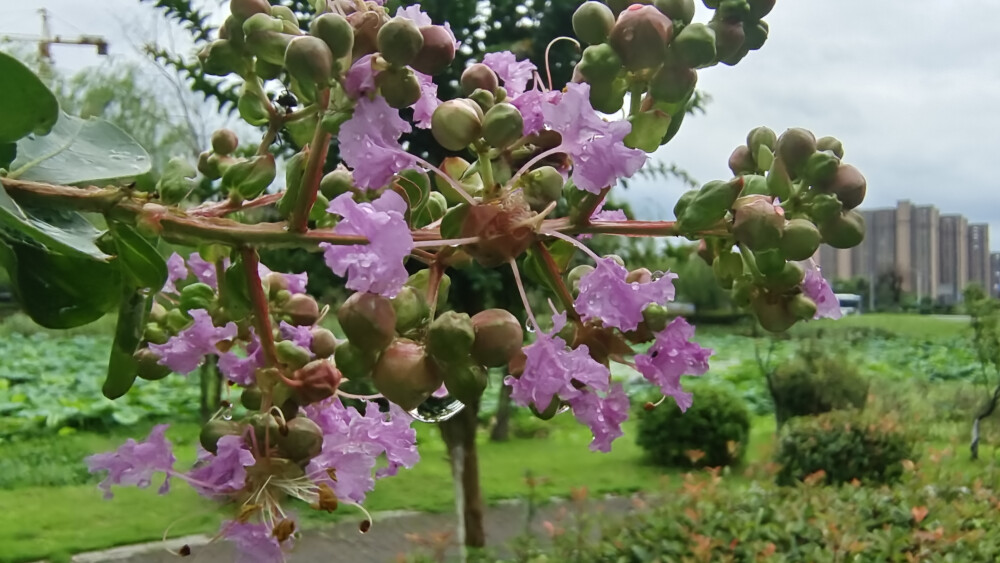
[(935, 255), (995, 274)]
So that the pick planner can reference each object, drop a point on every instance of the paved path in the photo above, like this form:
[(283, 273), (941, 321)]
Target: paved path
[(343, 543)]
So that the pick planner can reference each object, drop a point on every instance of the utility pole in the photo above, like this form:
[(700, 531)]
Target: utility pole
[(46, 40)]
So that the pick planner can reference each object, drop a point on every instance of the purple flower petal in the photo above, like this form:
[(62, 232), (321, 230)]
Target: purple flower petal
[(296, 282), (360, 79), (300, 335), (134, 463), (815, 287), (603, 415), (376, 267), (254, 542), (184, 352), (177, 271), (606, 296), (600, 162), (530, 104), (242, 370), (423, 110), (224, 473), (369, 143), (515, 74), (671, 356), (203, 270)]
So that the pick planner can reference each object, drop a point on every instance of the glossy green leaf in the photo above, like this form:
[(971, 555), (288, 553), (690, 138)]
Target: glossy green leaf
[(122, 366), (77, 151), (62, 231), (451, 223), (142, 264), (7, 153), (26, 104), (60, 291), (235, 293)]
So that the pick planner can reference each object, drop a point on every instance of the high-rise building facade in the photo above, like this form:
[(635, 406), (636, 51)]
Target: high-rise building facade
[(995, 274), (978, 244), (954, 256)]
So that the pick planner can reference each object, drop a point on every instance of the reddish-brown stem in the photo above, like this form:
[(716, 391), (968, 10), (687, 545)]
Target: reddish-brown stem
[(554, 277), (258, 301), (433, 284), (581, 215), (298, 222), (223, 208)]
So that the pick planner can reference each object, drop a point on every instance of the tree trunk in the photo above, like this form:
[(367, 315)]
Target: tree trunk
[(984, 412), (459, 435), (501, 428)]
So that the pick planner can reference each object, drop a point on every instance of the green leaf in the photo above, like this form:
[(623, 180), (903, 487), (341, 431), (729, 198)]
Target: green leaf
[(234, 295), (77, 151), (451, 224), (122, 366), (60, 291), (62, 231), (141, 262), (28, 106), (417, 186), (8, 151)]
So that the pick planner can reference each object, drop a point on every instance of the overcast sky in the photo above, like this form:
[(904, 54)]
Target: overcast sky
[(911, 87)]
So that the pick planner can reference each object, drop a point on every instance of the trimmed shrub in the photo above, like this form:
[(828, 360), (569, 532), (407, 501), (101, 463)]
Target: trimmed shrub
[(845, 445), (815, 381), (712, 433)]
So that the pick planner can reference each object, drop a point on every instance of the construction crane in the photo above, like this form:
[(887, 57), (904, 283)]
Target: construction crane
[(46, 40)]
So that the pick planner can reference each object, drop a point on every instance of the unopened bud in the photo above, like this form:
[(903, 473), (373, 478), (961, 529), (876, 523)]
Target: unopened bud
[(848, 185), (831, 144), (757, 223), (741, 162), (599, 63), (682, 10), (148, 363), (412, 311), (502, 125), (639, 275), (368, 320), (608, 96), (309, 60), (177, 320), (224, 142), (252, 108), (318, 381), (197, 296), (221, 58), (727, 267), (269, 45), (215, 429), (541, 187), (640, 36), (455, 124), (466, 382), (694, 46), (249, 179), (265, 429), (354, 362), (592, 22), (420, 280), (761, 136), (755, 185), (802, 307), (291, 354), (301, 440), (756, 35), (479, 76), (336, 32), (242, 10), (436, 206), (789, 277), (673, 83), (450, 337), (710, 205), (324, 343), (251, 398), (800, 240), (770, 262), (337, 182), (438, 51), (262, 22), (820, 168), (574, 276), (656, 317), (177, 179), (499, 337), (405, 375), (302, 310), (773, 313), (399, 41), (399, 86), (794, 147), (285, 14), (844, 231), (485, 100), (729, 38)]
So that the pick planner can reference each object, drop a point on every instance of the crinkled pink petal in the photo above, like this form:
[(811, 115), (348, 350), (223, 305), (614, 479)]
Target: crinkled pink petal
[(254, 542), (369, 143), (300, 335), (530, 105), (134, 463), (515, 74), (184, 352), (671, 356), (360, 79), (603, 415), (177, 271), (815, 287), (424, 108), (224, 473), (242, 370), (606, 296)]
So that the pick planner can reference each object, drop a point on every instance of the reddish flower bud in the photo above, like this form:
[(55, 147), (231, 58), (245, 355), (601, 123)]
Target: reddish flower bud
[(499, 337), (479, 76), (729, 38), (366, 27), (368, 320), (848, 185), (301, 441), (302, 310), (640, 36), (319, 380), (741, 162), (242, 10), (324, 343), (224, 142), (794, 147), (757, 223), (503, 230), (405, 375), (673, 83), (438, 51), (450, 337)]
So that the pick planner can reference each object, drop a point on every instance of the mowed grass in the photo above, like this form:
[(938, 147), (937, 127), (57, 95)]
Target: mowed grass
[(913, 326)]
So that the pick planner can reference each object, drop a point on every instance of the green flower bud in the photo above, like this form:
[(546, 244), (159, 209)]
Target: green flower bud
[(399, 86), (479, 76), (420, 280), (682, 10), (157, 313), (502, 125), (456, 167), (656, 317), (800, 240), (243, 10), (197, 296), (755, 185), (608, 97), (742, 291), (466, 382), (368, 320), (221, 58), (251, 398), (485, 100), (455, 124), (324, 343), (265, 429), (399, 41), (769, 262), (450, 337), (640, 36), (336, 32), (177, 179), (215, 429), (844, 231), (438, 51), (727, 267), (269, 46), (284, 13), (761, 137), (412, 310), (760, 8), (741, 162), (354, 362), (302, 310), (592, 22), (648, 129), (224, 142), (779, 184), (757, 223), (148, 364), (773, 313), (794, 147), (787, 278), (824, 207), (756, 35), (848, 185), (262, 22), (177, 320), (300, 441), (541, 187), (820, 168), (684, 201), (599, 63), (694, 46), (232, 31), (309, 60), (672, 83), (405, 375), (291, 354), (337, 182), (802, 307), (499, 337), (729, 38), (574, 275), (710, 205), (366, 27), (250, 178), (251, 108), (733, 10), (830, 144)]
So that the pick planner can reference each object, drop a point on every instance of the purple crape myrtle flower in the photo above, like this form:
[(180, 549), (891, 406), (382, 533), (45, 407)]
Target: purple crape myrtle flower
[(242, 370), (296, 282), (134, 463), (376, 267), (369, 143), (671, 356), (203, 270), (360, 82), (551, 368), (599, 156), (603, 415), (530, 105), (360, 79), (600, 214), (254, 542), (424, 108), (223, 473), (177, 271), (515, 74), (606, 296), (300, 335), (352, 443), (184, 352), (421, 18), (815, 287)]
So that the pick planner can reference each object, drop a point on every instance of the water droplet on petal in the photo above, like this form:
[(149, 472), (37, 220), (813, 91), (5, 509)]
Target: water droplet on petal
[(563, 408), (529, 326), (657, 275)]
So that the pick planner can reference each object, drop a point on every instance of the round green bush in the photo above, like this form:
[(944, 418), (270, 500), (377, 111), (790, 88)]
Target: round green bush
[(846, 445), (717, 425), (817, 380)]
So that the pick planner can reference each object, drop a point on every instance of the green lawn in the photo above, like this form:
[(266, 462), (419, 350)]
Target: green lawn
[(915, 326)]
